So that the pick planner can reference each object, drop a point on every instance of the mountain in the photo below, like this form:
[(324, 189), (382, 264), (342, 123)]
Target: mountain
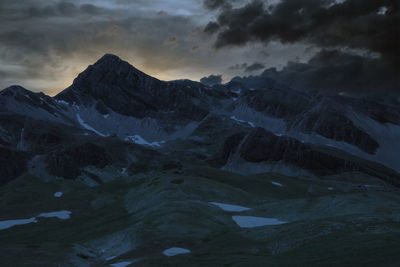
[(144, 165)]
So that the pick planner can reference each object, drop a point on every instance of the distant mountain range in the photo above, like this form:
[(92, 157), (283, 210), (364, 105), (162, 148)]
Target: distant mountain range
[(249, 130)]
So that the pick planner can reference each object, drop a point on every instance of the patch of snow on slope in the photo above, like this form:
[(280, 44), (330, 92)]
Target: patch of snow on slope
[(62, 102), (58, 194), (63, 215), (245, 113), (237, 91), (175, 251), (11, 223), (229, 207), (382, 10), (277, 184), (87, 126), (251, 222), (137, 139), (242, 121), (121, 264)]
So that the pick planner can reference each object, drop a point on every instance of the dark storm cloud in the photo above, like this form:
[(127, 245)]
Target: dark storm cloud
[(254, 67), (335, 71), (247, 68), (211, 80), (368, 30), (211, 27), (353, 23)]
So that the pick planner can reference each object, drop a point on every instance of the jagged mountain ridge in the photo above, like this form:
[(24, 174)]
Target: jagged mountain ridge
[(112, 99), (115, 84)]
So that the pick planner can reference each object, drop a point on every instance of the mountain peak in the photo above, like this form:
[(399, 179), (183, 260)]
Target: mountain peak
[(110, 65), (111, 80), (109, 58), (14, 90), (107, 72)]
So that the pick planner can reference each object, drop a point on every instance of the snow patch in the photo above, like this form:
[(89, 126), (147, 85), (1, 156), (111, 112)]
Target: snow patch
[(62, 102), (11, 223), (330, 188), (87, 126), (175, 251), (110, 258), (121, 264), (58, 194), (137, 139), (277, 184), (242, 121), (229, 207), (251, 222), (106, 116), (63, 215), (382, 10), (237, 91)]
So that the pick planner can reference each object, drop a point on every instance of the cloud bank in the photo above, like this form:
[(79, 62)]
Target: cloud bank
[(358, 40)]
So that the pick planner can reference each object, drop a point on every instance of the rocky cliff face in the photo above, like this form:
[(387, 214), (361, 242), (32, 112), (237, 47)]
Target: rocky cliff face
[(12, 164)]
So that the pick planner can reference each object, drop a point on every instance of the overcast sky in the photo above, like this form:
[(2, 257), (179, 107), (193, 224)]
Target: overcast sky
[(44, 44)]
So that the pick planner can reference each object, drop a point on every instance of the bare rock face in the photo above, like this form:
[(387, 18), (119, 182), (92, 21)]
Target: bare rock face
[(68, 163), (231, 144), (375, 108), (259, 145), (263, 146), (279, 102), (333, 125)]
